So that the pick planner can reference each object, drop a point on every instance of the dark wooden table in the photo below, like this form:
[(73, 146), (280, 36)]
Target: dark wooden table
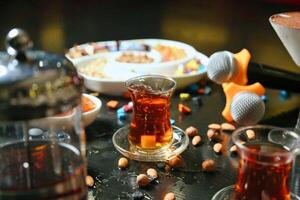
[(187, 183)]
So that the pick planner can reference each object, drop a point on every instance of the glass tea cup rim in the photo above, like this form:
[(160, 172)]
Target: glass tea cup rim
[(130, 81), (243, 147)]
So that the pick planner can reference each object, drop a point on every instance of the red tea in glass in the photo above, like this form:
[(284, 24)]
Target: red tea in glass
[(150, 127), (265, 163), (259, 177)]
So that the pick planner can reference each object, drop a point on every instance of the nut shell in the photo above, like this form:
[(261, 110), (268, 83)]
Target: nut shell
[(142, 180)]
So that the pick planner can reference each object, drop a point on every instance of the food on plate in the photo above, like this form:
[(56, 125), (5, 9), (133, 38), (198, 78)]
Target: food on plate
[(129, 57), (90, 49), (192, 66), (170, 53), (94, 68), (87, 104)]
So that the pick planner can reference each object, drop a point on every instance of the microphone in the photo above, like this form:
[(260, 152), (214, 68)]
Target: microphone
[(224, 66), (243, 103)]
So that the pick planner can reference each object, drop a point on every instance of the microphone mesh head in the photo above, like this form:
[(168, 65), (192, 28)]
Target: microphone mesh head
[(247, 108), (221, 66)]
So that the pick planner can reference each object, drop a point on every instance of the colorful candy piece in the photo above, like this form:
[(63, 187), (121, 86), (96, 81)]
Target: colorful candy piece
[(197, 100), (264, 98), (193, 88), (184, 96), (207, 90), (172, 121), (112, 104), (184, 109), (284, 94)]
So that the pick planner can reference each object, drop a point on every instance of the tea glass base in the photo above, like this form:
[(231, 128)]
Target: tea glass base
[(178, 144), (227, 192)]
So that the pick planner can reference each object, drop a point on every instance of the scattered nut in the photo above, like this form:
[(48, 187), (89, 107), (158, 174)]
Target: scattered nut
[(233, 149), (142, 180), (217, 147), (214, 126), (174, 161), (250, 134), (191, 131), (170, 196), (208, 165), (196, 140), (212, 134), (152, 173), (89, 181), (123, 163), (227, 127)]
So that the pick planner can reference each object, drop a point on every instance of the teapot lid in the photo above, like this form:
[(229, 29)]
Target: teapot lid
[(35, 84)]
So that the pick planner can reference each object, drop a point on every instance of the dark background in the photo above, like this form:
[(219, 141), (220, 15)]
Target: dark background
[(209, 25)]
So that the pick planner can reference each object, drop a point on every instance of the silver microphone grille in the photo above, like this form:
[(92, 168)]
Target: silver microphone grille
[(247, 108), (221, 66)]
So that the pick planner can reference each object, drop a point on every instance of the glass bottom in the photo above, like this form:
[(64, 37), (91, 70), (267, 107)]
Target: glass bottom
[(227, 192), (177, 146)]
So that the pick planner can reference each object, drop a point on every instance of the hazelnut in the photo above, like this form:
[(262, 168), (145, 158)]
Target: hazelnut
[(191, 131), (212, 134), (152, 173), (217, 147), (174, 161), (208, 165), (123, 163), (170, 196), (214, 126), (196, 140), (250, 134), (89, 181), (142, 180), (227, 127)]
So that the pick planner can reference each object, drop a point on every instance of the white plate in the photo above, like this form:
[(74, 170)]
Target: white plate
[(115, 86), (167, 68)]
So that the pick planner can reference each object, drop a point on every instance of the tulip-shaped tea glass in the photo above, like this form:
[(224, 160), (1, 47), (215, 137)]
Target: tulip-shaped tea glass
[(265, 164), (150, 136)]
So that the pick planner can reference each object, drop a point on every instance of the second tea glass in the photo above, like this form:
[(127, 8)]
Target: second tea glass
[(265, 164)]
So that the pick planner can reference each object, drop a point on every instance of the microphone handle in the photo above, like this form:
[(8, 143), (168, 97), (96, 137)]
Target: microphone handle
[(272, 77)]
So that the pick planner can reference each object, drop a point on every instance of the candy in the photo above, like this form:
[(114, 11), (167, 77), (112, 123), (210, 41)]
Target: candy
[(172, 121), (112, 104), (284, 94), (264, 98), (197, 100), (184, 96), (193, 88), (184, 109)]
